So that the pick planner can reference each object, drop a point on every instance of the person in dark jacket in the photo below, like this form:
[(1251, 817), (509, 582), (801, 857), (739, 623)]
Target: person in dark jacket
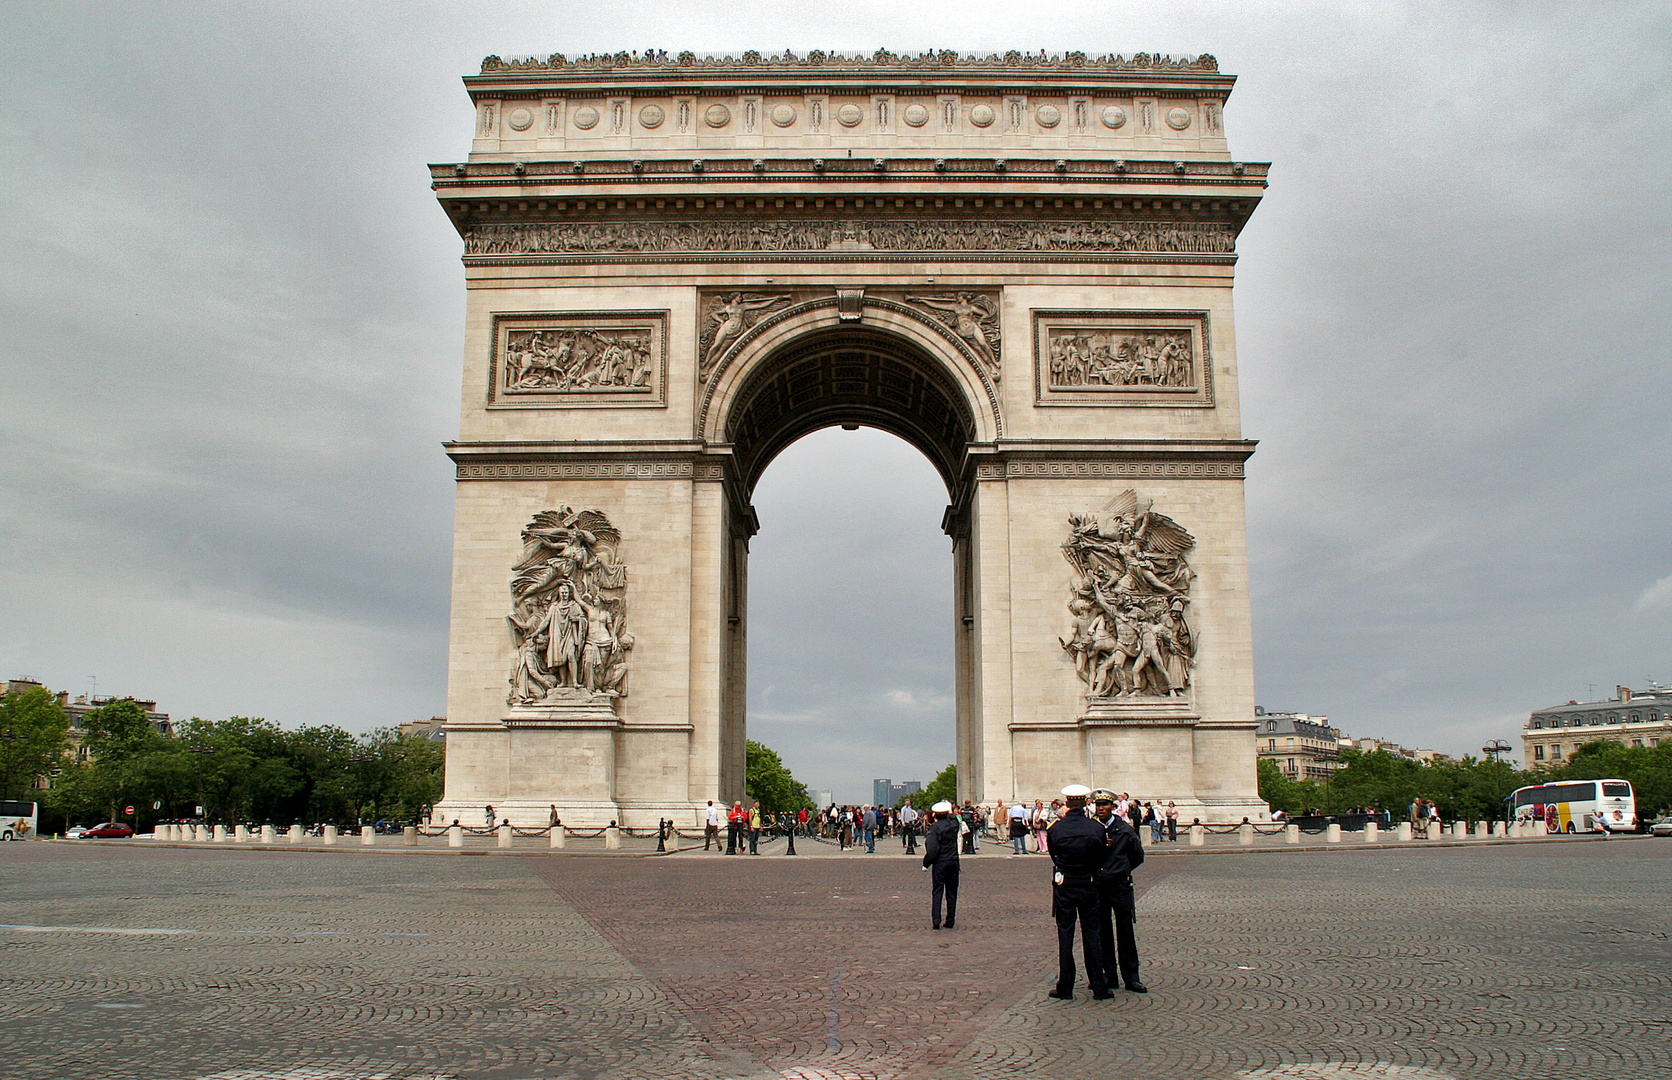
[(1117, 909), (940, 858), (1077, 847)]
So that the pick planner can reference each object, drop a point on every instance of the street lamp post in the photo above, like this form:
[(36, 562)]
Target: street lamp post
[(360, 760), (202, 753)]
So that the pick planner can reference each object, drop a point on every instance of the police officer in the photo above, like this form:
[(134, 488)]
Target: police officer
[(1116, 906), (1077, 848), (940, 858)]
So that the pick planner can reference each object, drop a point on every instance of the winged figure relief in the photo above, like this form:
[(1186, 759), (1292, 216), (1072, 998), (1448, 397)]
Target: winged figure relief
[(568, 611), (1131, 633), (974, 317), (725, 320)]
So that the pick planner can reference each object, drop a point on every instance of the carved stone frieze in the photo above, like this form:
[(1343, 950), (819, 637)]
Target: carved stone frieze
[(575, 470), (1011, 63), (974, 317), (1123, 358), (568, 617), (1131, 636), (671, 237), (568, 359)]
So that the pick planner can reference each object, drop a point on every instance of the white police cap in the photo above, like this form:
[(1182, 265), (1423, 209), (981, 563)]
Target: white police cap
[(1076, 791), (942, 807)]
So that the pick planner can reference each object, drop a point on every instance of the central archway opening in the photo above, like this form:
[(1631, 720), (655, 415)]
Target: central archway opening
[(849, 444), (851, 648)]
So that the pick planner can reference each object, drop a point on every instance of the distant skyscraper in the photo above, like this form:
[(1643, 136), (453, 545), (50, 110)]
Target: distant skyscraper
[(880, 790), (821, 799)]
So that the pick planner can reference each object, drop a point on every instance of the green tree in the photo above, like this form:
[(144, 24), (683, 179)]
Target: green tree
[(410, 769), (1290, 796), (768, 781), (943, 788), (34, 737)]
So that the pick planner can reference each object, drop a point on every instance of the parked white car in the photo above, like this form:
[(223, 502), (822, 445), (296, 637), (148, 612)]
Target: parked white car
[(76, 832), (1662, 827)]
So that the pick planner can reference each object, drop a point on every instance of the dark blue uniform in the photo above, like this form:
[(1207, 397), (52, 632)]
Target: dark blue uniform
[(1077, 847), (940, 855), (1117, 908)]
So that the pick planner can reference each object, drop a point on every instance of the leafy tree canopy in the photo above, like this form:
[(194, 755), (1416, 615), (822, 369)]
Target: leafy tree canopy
[(35, 732), (769, 781)]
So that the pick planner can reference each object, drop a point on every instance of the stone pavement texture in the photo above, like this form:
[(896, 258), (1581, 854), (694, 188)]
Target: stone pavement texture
[(1538, 960)]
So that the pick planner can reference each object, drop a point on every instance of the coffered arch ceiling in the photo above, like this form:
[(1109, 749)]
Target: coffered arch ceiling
[(849, 376)]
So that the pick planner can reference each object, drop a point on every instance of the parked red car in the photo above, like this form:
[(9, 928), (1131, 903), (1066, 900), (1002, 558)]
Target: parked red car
[(110, 830)]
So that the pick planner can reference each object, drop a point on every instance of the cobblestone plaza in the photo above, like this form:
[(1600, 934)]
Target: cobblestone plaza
[(1530, 960)]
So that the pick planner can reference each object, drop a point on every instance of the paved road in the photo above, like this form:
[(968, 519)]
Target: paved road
[(1541, 960)]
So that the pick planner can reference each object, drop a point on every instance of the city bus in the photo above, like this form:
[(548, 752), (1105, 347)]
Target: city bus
[(1578, 805), (18, 819)]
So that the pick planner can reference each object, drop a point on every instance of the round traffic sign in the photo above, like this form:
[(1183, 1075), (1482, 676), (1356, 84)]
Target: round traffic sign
[(128, 810)]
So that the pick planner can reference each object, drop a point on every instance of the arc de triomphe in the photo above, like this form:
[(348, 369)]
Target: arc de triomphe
[(677, 266)]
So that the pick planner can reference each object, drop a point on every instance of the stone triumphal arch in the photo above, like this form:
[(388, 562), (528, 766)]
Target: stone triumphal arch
[(677, 266)]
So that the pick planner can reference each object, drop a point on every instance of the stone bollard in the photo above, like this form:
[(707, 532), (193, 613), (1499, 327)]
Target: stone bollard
[(612, 837), (1540, 828), (1483, 829), (296, 833), (1332, 833), (1434, 830), (368, 835), (557, 836), (1245, 834), (268, 835), (455, 835), (165, 832), (1459, 829), (240, 834), (1291, 834), (410, 835), (1404, 830), (328, 835), (1372, 832), (220, 834), (1198, 836), (1499, 829), (505, 834)]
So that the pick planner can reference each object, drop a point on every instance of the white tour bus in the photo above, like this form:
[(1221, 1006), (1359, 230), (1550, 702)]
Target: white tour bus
[(18, 819), (1578, 805)]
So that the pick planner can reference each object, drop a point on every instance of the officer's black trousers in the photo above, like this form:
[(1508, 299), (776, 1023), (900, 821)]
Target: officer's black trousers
[(1116, 908), (1071, 903), (945, 881)]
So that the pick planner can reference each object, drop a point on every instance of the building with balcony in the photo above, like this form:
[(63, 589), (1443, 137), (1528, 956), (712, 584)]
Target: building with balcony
[(1630, 717)]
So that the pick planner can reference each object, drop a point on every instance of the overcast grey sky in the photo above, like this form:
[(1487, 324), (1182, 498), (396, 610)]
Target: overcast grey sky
[(232, 323)]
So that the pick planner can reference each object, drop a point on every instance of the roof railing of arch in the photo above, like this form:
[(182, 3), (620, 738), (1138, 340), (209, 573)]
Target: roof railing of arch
[(879, 60)]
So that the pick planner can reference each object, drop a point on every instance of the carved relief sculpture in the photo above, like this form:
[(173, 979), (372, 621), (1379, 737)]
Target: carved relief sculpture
[(1131, 635), (1093, 237), (975, 318), (568, 612), (725, 320), (1153, 358), (578, 359), (1089, 357)]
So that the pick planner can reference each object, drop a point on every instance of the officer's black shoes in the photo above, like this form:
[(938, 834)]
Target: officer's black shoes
[(934, 926), (1137, 988), (951, 926), (1102, 995), (1061, 996)]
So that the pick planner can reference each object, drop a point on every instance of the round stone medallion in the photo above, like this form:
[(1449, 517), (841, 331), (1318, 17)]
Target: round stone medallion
[(651, 116), (1114, 117), (1178, 119), (717, 116), (982, 116), (586, 118), (849, 115), (915, 115), (1048, 116), (520, 119), (782, 115)]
